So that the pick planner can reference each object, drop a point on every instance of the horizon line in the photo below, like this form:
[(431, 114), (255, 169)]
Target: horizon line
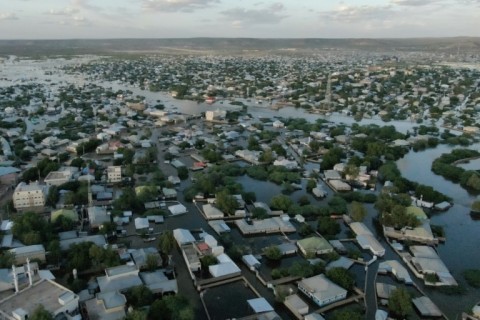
[(250, 38)]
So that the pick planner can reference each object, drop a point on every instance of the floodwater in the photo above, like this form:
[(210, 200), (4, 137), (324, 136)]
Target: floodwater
[(459, 252)]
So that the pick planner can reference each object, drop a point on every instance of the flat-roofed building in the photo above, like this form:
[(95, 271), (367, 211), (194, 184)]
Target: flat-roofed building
[(119, 278), (106, 306), (56, 178), (314, 245), (36, 251), (114, 174), (55, 298), (97, 216), (426, 307), (321, 290), (212, 212), (30, 196), (366, 239), (296, 304)]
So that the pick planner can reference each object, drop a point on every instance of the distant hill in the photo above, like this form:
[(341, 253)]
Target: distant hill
[(233, 45)]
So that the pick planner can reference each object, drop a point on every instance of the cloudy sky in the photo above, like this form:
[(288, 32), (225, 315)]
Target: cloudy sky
[(60, 19)]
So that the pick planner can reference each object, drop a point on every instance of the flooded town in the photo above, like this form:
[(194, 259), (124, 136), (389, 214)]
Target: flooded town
[(334, 184)]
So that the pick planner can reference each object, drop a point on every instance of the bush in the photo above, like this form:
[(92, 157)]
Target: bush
[(472, 276)]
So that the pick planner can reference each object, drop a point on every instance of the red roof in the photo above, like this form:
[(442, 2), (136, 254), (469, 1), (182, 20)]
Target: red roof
[(203, 246)]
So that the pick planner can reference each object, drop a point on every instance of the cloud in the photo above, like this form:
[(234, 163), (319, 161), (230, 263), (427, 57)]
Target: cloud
[(8, 16), (63, 12), (469, 2), (177, 5), (358, 13), (271, 14), (85, 5), (415, 3)]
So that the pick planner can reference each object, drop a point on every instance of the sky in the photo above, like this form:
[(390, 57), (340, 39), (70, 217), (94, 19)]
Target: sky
[(66, 19)]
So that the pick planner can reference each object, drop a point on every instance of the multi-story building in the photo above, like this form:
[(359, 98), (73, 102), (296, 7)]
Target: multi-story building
[(30, 196), (114, 174)]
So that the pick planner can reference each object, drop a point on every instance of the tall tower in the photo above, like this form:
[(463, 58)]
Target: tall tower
[(328, 93), (90, 198)]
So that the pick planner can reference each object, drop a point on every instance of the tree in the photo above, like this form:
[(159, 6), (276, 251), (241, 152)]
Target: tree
[(357, 211), (182, 173), (266, 157), (259, 213), (136, 315), (226, 202), (151, 262), (273, 253), (311, 184), (166, 242), (476, 206), (139, 296), (40, 313), (347, 315), (337, 205), (7, 258), (281, 202), (331, 158), (207, 261), (31, 228), (327, 227), (342, 277), (172, 307), (352, 171), (399, 302)]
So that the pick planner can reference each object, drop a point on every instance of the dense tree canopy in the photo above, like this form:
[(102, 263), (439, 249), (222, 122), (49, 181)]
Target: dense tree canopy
[(399, 302), (342, 277)]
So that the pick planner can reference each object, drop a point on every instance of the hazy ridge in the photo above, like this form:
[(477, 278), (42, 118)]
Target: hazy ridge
[(190, 45)]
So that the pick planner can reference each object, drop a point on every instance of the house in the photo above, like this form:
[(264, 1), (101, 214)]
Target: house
[(190, 255), (216, 115), (8, 175), (278, 124), (251, 262), (158, 282), (289, 164), (260, 305), (141, 224), (36, 251), (97, 216), (140, 256), (366, 239), (169, 193), (106, 305), (55, 298), (177, 209), (225, 267), (30, 197), (183, 236), (119, 278), (296, 304), (212, 212), (321, 290), (398, 270), (314, 245), (56, 178), (114, 174)]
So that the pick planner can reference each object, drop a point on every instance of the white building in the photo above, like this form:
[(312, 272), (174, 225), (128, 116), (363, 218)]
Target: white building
[(321, 290), (56, 178), (114, 174), (55, 298), (29, 196), (215, 115)]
